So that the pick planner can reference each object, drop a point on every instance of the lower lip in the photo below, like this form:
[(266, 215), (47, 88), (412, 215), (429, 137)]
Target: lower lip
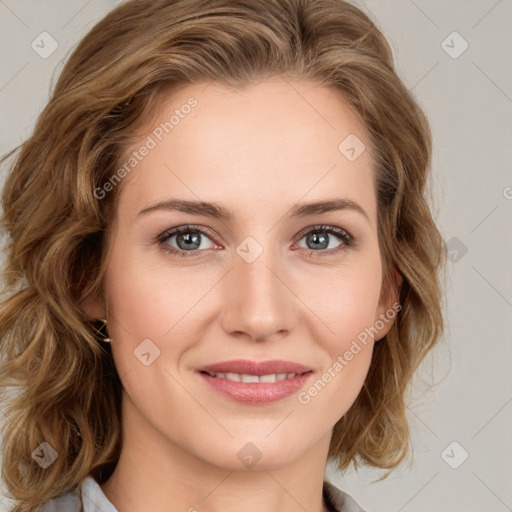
[(254, 392)]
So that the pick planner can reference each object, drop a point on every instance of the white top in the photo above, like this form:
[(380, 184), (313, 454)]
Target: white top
[(89, 497)]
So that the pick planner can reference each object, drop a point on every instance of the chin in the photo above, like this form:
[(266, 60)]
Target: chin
[(255, 453)]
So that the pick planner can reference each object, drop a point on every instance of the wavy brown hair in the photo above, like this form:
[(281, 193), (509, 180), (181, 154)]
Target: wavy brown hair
[(66, 390)]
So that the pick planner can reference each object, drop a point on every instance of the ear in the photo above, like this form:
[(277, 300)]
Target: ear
[(93, 307), (389, 304)]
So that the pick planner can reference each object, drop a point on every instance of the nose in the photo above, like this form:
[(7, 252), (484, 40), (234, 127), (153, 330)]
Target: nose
[(258, 302)]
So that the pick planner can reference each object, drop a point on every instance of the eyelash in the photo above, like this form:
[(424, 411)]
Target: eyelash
[(347, 239)]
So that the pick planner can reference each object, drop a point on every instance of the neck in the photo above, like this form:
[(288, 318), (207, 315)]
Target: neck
[(155, 473)]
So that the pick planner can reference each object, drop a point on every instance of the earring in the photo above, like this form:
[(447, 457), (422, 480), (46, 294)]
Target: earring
[(103, 329)]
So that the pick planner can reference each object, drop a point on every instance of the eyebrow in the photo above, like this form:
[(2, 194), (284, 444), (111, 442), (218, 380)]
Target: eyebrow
[(217, 211)]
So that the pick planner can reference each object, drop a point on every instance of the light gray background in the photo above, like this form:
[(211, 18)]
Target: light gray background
[(468, 100)]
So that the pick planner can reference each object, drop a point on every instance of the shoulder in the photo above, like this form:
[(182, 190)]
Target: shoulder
[(338, 500), (93, 497), (69, 502), (87, 497)]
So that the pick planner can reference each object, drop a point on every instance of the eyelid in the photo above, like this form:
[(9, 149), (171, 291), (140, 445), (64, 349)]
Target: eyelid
[(342, 233), (185, 228), (346, 238)]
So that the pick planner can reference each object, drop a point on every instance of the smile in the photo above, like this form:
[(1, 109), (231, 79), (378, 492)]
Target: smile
[(255, 382), (244, 377)]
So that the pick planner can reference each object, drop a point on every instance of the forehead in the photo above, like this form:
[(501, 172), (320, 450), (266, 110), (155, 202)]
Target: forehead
[(273, 142)]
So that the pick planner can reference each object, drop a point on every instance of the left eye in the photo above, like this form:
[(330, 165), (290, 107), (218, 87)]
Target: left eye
[(188, 240), (321, 237)]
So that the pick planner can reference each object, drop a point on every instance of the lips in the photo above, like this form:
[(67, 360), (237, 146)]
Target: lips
[(258, 368), (247, 378), (255, 382)]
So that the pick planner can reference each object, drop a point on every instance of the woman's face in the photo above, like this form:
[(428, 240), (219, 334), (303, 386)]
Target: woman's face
[(249, 278)]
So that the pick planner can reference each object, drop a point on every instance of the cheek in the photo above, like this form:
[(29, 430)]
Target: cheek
[(345, 298), (145, 292), (148, 298), (142, 304), (348, 313), (137, 301), (346, 305), (148, 308)]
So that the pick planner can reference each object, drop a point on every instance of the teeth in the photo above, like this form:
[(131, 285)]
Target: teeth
[(242, 377), (249, 378)]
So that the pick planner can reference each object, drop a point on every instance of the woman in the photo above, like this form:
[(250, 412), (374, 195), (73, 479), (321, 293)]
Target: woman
[(222, 269)]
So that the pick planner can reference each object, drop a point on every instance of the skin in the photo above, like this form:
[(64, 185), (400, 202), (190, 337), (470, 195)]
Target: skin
[(256, 151)]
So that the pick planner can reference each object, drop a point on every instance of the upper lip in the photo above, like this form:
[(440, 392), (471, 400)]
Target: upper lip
[(258, 368)]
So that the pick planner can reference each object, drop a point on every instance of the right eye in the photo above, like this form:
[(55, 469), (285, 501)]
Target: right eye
[(188, 240)]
